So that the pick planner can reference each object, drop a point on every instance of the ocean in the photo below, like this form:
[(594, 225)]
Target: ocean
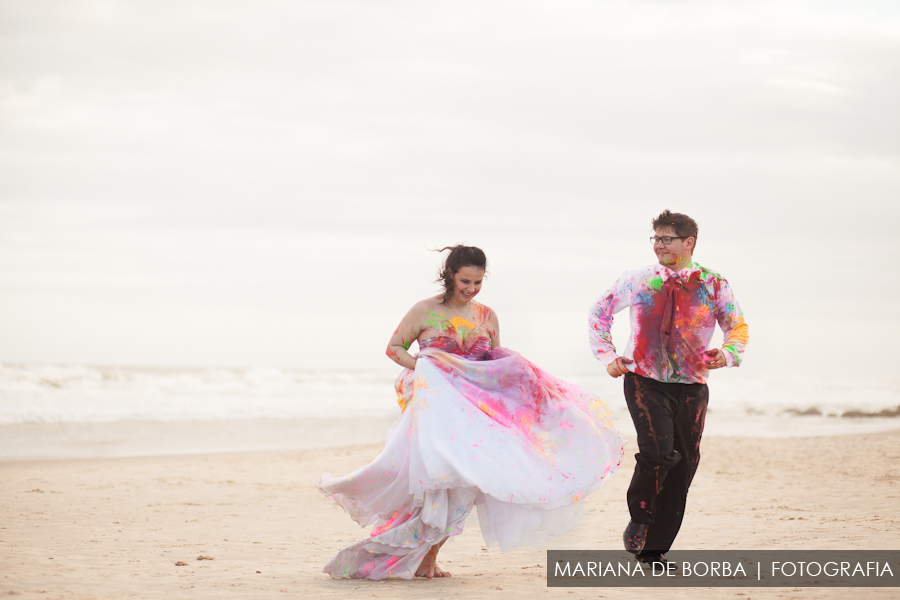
[(77, 411)]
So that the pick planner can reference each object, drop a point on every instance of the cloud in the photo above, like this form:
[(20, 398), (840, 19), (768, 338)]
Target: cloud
[(240, 155)]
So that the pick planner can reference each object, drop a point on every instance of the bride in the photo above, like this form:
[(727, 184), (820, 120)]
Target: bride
[(480, 426)]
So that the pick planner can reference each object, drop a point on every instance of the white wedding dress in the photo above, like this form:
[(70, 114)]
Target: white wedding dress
[(479, 427)]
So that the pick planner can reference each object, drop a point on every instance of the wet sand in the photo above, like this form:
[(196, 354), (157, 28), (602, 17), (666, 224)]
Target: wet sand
[(252, 524)]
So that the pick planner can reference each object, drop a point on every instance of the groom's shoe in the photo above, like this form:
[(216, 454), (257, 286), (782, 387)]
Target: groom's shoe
[(649, 559), (635, 537)]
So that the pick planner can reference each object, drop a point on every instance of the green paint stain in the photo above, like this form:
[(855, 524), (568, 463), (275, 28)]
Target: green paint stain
[(436, 321)]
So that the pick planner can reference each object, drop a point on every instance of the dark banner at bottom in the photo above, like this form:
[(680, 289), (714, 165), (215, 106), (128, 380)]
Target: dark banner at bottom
[(726, 568)]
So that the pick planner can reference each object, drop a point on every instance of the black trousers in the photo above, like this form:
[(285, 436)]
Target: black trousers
[(669, 421)]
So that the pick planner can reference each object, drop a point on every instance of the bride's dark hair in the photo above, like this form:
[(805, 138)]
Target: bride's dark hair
[(460, 256)]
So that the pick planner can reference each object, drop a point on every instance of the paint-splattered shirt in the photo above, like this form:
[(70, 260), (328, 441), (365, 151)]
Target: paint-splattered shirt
[(673, 317)]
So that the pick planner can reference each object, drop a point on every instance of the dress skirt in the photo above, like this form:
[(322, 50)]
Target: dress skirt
[(521, 445)]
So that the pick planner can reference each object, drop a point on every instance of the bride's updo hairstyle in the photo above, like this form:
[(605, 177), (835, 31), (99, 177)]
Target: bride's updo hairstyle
[(459, 257)]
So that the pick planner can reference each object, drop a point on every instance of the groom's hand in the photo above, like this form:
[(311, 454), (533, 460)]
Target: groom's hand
[(714, 359), (618, 367)]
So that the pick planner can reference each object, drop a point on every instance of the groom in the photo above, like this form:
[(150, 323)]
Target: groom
[(675, 306)]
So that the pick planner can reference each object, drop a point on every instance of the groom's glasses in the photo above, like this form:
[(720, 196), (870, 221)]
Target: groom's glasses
[(666, 239)]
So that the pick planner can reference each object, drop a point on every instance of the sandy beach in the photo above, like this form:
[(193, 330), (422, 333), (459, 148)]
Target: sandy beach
[(253, 526)]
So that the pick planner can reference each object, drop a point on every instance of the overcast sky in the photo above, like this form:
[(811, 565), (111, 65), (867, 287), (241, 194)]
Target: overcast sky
[(237, 183)]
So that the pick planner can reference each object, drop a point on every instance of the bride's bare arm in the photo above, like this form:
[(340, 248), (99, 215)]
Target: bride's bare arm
[(493, 329), (408, 330)]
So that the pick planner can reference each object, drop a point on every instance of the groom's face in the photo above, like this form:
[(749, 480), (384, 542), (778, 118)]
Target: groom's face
[(671, 254)]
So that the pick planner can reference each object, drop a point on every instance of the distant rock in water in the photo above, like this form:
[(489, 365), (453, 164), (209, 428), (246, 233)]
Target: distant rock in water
[(887, 412), (809, 412)]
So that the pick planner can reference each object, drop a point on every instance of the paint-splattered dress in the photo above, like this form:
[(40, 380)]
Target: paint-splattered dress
[(479, 427)]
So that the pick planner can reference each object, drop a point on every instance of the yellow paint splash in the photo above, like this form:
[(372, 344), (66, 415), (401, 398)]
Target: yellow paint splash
[(487, 409), (458, 322)]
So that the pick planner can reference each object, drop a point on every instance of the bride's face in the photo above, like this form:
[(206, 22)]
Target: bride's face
[(467, 283)]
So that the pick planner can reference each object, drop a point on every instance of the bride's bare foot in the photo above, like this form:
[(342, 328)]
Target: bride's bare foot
[(429, 569)]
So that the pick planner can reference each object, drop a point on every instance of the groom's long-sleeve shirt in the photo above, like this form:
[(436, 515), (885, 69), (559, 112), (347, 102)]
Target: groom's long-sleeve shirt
[(673, 317)]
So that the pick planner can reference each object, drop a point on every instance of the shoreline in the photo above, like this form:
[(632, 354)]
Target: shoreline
[(252, 524), (65, 441), (34, 442), (96, 461)]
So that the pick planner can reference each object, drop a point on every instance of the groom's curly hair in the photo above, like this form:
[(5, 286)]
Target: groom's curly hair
[(460, 256), (683, 225)]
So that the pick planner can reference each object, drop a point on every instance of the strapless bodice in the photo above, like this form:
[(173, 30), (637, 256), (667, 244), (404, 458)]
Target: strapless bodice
[(477, 349)]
